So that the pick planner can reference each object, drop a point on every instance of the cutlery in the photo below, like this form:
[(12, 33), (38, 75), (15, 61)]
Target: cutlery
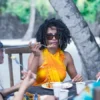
[(17, 62)]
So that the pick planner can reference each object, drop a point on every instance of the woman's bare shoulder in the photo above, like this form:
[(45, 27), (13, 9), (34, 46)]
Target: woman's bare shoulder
[(68, 56)]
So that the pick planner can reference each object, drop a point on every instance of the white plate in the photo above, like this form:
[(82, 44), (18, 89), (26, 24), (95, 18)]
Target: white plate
[(64, 85), (67, 85)]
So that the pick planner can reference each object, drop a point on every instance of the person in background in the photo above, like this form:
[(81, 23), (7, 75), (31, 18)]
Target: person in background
[(6, 92), (48, 59)]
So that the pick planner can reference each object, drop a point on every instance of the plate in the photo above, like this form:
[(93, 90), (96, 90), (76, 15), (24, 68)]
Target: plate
[(48, 85), (63, 85), (67, 85)]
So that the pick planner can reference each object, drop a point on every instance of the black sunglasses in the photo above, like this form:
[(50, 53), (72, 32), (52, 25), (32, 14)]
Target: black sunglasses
[(50, 36)]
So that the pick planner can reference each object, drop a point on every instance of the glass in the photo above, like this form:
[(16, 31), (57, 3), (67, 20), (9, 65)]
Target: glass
[(56, 88), (80, 86), (63, 94)]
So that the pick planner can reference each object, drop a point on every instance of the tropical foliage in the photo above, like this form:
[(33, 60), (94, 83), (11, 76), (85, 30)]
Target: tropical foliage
[(44, 7), (88, 8), (21, 8)]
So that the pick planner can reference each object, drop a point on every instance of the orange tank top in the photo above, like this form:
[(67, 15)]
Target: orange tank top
[(52, 69)]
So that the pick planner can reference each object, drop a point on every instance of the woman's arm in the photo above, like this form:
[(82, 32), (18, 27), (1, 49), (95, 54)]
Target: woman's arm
[(33, 63), (71, 68), (20, 94), (28, 81), (12, 89)]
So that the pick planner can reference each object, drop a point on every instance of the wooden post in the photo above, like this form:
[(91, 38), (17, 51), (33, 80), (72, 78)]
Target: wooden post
[(21, 62), (10, 70)]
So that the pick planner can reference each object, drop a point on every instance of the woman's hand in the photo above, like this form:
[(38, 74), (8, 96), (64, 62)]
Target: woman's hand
[(25, 74), (77, 78), (98, 75), (35, 48), (29, 79)]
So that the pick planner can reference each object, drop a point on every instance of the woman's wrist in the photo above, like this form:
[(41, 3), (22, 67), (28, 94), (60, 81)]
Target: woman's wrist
[(22, 89), (36, 54)]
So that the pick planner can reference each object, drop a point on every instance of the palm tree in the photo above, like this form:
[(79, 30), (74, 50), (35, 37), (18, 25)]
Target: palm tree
[(83, 38), (30, 29)]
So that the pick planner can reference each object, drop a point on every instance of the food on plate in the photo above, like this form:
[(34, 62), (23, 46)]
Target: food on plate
[(49, 85)]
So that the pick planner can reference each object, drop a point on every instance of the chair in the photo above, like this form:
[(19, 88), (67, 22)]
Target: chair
[(19, 51)]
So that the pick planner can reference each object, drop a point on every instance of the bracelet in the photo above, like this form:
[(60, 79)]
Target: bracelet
[(2, 95)]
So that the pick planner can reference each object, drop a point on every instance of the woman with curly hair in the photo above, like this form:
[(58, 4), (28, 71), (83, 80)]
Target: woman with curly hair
[(48, 59)]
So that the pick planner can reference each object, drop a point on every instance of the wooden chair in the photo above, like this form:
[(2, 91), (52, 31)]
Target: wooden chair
[(19, 51)]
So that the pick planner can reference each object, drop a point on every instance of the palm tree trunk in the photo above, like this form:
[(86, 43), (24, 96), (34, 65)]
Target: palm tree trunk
[(84, 40), (30, 30)]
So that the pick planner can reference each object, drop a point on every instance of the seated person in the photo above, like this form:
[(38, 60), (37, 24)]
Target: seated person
[(6, 92), (48, 59)]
